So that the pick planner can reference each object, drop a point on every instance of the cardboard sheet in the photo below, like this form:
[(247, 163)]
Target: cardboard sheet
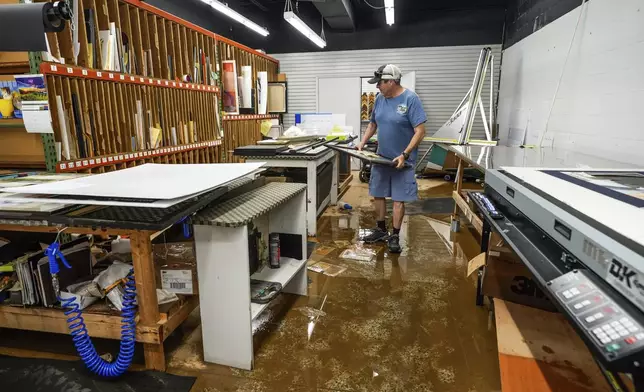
[(146, 183)]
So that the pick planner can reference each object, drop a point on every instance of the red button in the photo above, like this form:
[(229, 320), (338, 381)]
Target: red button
[(630, 340)]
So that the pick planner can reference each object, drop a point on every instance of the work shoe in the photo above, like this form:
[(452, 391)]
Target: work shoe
[(394, 243), (376, 235)]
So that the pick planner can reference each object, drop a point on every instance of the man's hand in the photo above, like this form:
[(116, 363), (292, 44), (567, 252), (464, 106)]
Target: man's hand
[(400, 161), (360, 146)]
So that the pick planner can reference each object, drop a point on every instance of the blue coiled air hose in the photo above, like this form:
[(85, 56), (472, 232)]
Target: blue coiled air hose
[(78, 329)]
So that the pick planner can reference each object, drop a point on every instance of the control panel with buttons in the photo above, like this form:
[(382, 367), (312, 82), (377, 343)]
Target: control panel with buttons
[(613, 332)]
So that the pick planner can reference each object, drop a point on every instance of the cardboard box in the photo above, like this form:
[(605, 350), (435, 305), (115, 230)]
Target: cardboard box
[(507, 278), (176, 267), (281, 77)]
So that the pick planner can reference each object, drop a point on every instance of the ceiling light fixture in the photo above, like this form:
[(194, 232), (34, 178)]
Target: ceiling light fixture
[(302, 27), (389, 11), (229, 12)]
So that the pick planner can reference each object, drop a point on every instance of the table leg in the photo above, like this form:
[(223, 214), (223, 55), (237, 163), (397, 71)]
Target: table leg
[(311, 197), (455, 216), (485, 240), (334, 183), (146, 295)]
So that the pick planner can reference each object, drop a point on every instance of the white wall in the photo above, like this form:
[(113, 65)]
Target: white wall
[(443, 76), (597, 109)]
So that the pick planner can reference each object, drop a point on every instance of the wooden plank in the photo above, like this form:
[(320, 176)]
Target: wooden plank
[(83, 59), (163, 49), (55, 321), (539, 351), (154, 41), (137, 39), (179, 316), (464, 208)]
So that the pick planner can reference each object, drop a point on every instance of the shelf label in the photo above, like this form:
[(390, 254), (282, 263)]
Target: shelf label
[(79, 164), (71, 165), (142, 80), (150, 81), (84, 72), (99, 74), (158, 81), (122, 77), (174, 84), (110, 159), (70, 70), (92, 162), (53, 68), (63, 166), (111, 76), (85, 163), (121, 157), (167, 83), (132, 78)]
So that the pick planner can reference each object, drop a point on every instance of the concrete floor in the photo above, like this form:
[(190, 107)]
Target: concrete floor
[(397, 323)]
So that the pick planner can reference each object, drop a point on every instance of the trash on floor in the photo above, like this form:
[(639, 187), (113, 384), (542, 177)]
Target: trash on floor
[(359, 253), (327, 269)]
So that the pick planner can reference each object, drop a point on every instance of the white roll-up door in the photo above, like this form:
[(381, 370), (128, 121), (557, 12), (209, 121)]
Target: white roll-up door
[(443, 76)]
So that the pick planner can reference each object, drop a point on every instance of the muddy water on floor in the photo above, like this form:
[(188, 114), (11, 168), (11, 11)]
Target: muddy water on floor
[(396, 323)]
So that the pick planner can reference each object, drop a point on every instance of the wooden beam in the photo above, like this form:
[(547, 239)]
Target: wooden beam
[(179, 316), (147, 295), (55, 321), (467, 211), (71, 230)]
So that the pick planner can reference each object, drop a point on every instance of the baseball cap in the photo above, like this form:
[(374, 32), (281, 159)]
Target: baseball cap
[(386, 72)]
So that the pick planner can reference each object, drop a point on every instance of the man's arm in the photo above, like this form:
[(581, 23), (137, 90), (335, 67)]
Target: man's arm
[(368, 134), (419, 135)]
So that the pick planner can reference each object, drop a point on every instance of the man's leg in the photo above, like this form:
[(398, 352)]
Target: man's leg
[(381, 212), (404, 189), (379, 189), (399, 214)]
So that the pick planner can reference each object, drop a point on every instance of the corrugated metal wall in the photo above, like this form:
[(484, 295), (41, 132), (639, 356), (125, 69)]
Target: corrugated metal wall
[(443, 76)]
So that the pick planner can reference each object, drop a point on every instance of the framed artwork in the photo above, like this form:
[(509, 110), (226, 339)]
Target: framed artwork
[(231, 92)]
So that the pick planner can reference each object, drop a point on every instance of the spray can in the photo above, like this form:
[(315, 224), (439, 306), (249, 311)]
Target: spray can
[(274, 250)]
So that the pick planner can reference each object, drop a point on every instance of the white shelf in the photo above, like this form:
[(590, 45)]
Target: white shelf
[(288, 268)]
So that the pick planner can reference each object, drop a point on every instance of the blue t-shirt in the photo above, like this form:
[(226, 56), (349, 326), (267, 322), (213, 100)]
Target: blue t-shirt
[(396, 119)]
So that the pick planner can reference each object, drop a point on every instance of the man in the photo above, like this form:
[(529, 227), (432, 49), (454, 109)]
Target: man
[(399, 119)]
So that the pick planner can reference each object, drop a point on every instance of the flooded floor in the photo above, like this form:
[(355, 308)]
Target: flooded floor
[(403, 322)]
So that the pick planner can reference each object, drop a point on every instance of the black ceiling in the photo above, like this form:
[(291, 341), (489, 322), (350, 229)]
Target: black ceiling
[(366, 17), (417, 23)]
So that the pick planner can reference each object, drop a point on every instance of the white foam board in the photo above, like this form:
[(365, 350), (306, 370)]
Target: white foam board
[(149, 181)]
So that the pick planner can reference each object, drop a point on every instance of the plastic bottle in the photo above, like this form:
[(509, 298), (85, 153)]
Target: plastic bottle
[(344, 206)]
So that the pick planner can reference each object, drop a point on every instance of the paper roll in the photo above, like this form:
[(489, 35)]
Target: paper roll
[(23, 26), (262, 92), (247, 85)]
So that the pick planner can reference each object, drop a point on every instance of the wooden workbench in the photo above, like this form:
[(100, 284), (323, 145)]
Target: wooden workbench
[(152, 326)]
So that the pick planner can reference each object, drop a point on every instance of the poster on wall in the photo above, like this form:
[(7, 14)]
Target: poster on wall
[(231, 93), (34, 99), (10, 105)]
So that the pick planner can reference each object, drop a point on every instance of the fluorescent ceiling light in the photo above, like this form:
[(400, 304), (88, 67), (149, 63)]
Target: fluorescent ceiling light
[(302, 27), (224, 9), (389, 11)]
